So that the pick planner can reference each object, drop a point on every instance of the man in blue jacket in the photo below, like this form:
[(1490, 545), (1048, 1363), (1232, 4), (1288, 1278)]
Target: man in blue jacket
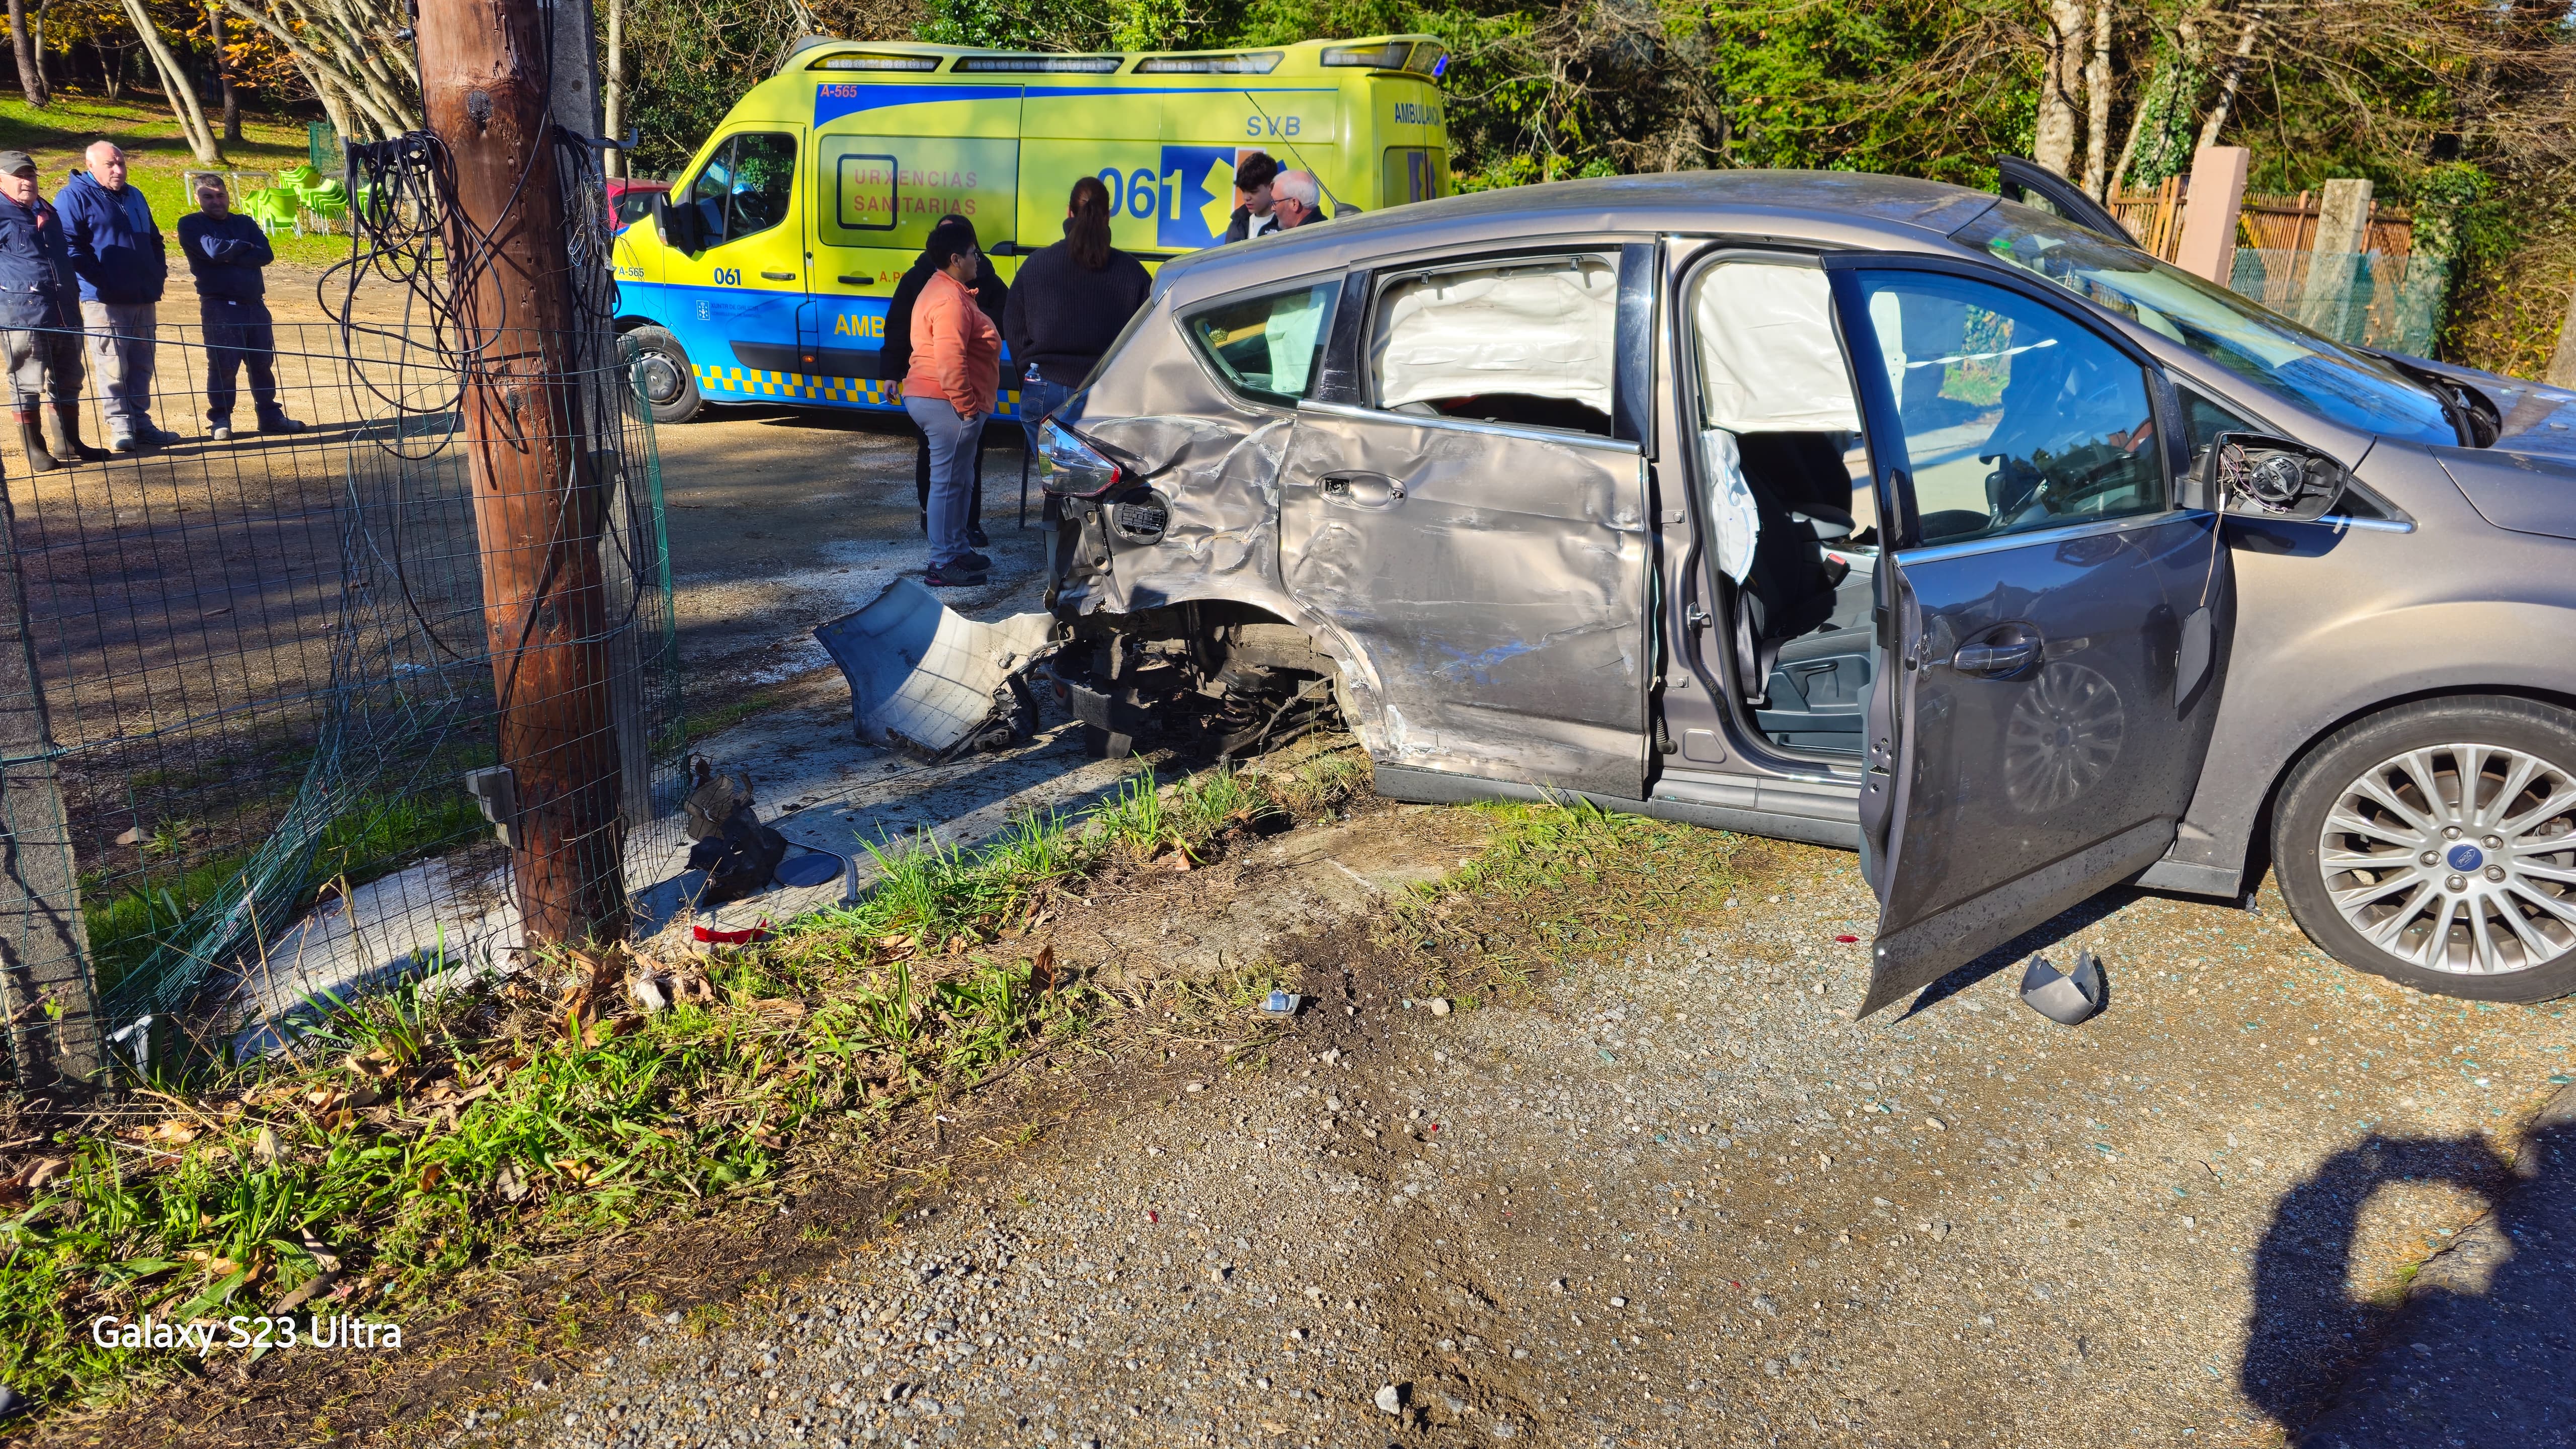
[(31, 238), (120, 257), (225, 253)]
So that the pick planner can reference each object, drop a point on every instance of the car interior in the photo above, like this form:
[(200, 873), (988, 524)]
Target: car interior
[(1787, 479)]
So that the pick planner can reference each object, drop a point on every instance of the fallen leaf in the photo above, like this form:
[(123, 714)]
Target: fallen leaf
[(264, 1149), (133, 835), (1042, 970), (430, 1176), (174, 1132)]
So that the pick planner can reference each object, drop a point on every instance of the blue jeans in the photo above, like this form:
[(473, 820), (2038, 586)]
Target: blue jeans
[(1039, 397), (952, 472)]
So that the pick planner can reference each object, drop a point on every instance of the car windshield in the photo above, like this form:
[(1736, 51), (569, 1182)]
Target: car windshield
[(2323, 375)]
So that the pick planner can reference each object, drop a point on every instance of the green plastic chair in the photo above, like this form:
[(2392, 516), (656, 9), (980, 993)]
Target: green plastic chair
[(274, 208)]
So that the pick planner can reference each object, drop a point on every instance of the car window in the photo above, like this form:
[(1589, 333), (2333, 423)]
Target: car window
[(2203, 421), (1530, 341), (1267, 346), (2349, 386), (746, 186), (2015, 417)]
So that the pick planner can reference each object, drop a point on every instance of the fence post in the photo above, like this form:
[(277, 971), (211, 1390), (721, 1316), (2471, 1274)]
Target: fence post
[(46, 993), (2209, 222), (537, 503), (2343, 229), (2562, 363)]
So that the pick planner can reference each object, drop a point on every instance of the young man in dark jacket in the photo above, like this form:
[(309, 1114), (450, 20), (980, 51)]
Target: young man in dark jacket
[(117, 250), (1252, 177), (34, 339), (894, 359), (225, 252)]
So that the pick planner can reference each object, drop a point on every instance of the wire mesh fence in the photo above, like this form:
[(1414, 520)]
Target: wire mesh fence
[(2373, 299), (250, 660)]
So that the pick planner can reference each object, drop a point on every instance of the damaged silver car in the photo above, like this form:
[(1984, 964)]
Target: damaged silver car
[(1863, 511)]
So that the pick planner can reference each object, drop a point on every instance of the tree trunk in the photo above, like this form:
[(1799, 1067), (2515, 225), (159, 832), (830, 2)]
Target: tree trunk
[(224, 75), (2060, 73), (2562, 364), (183, 96), (22, 40), (111, 68), (613, 102), (2231, 73), (2097, 100)]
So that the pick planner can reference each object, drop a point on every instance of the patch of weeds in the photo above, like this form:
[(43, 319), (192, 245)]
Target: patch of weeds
[(1554, 882), (707, 1318), (411, 1139), (1320, 784)]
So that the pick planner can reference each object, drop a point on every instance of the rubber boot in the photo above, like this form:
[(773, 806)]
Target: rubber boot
[(32, 438), (65, 437)]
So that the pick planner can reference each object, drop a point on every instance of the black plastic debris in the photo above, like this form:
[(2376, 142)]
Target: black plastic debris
[(2067, 998), (738, 853)]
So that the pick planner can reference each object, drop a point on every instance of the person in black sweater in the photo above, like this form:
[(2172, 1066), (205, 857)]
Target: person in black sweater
[(1071, 302), (225, 253), (894, 359)]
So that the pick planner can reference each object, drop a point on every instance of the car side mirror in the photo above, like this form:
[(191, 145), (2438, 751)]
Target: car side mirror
[(2273, 477), (677, 225)]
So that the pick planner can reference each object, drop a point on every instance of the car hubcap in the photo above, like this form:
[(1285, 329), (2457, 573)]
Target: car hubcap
[(661, 380), (2457, 858)]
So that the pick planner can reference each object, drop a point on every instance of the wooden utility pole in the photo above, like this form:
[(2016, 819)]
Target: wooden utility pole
[(537, 507)]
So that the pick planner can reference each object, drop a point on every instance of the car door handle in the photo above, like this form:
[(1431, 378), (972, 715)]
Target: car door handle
[(779, 276), (858, 281), (1998, 653), (1362, 490)]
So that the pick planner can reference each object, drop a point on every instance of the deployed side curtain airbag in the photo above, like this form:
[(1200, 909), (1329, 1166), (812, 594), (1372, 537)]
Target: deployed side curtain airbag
[(1730, 502), (1543, 329), (1769, 360)]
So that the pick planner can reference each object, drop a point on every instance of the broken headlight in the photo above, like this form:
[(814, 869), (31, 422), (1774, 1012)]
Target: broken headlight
[(1069, 466)]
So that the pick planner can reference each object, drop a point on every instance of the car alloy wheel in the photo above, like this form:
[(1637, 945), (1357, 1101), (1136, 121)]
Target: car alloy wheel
[(2436, 844), (2457, 858)]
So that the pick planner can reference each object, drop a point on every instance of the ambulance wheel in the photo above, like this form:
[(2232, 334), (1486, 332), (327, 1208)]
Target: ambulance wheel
[(662, 371)]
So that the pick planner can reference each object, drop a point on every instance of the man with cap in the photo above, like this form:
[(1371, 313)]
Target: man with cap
[(225, 253), (894, 359), (39, 348), (118, 251)]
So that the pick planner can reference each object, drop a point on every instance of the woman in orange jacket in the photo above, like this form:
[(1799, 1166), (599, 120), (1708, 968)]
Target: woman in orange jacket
[(956, 370)]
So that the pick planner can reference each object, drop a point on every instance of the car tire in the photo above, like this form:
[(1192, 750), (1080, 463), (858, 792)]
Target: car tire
[(2361, 812), (664, 377)]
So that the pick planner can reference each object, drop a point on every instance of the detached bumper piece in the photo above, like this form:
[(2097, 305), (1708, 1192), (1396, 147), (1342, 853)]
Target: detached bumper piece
[(930, 681)]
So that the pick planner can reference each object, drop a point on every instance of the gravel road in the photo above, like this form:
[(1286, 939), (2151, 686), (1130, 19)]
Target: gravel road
[(1676, 1198)]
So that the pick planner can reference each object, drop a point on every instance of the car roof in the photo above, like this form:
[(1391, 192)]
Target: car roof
[(1831, 207)]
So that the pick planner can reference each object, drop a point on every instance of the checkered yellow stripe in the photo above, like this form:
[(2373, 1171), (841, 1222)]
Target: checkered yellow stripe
[(798, 387)]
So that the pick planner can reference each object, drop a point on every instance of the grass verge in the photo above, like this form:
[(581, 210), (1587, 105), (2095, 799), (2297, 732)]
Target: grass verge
[(1555, 882), (414, 1141)]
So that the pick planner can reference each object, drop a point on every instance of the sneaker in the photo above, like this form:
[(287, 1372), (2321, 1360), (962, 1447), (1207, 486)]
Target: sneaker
[(953, 575), (282, 424), (220, 432), (976, 561), (121, 443), (976, 537), (156, 436)]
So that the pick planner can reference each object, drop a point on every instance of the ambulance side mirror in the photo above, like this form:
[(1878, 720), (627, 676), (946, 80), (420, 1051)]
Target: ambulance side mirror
[(677, 225)]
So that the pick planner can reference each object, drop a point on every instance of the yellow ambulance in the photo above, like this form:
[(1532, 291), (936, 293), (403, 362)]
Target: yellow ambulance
[(764, 276)]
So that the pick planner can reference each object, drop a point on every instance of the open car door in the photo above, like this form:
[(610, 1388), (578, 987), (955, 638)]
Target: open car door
[(2021, 179), (2050, 620)]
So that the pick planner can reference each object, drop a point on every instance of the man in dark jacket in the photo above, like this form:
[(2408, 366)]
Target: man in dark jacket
[(122, 261), (225, 253), (894, 359), (1252, 177), (31, 241)]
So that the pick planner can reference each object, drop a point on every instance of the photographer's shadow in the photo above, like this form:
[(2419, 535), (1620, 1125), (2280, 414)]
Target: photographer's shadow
[(2481, 1350)]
